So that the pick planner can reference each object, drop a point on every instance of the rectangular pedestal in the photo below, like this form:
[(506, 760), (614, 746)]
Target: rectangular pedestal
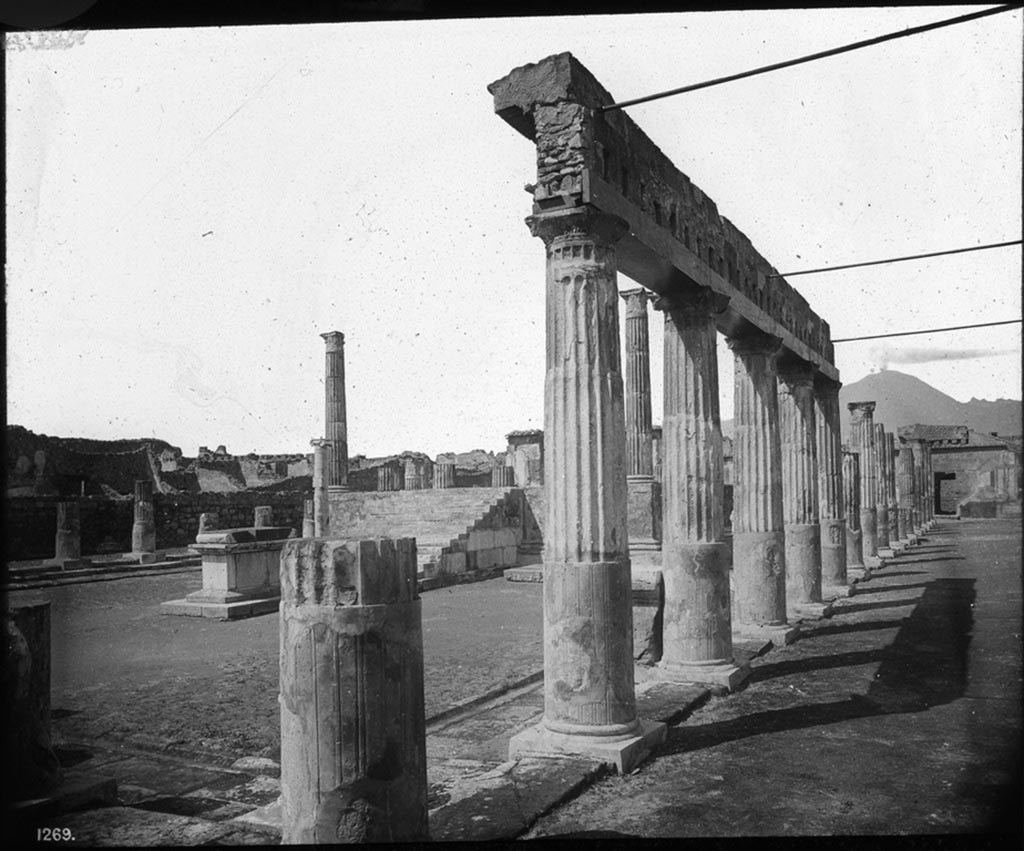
[(780, 636), (623, 754), (729, 676), (643, 512), (531, 573), (836, 592), (810, 611), (221, 611)]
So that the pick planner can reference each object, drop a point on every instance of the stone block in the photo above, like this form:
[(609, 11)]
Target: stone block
[(624, 753), (481, 539), (452, 563), (509, 555)]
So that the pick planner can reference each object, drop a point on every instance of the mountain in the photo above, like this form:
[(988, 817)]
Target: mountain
[(904, 400)]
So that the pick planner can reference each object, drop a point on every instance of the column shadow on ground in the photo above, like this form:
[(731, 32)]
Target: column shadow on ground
[(876, 588), (823, 629), (850, 608)]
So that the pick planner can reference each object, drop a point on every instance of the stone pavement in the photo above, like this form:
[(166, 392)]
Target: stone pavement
[(900, 714)]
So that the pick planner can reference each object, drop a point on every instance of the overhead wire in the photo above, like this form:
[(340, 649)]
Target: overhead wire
[(929, 331), (764, 69)]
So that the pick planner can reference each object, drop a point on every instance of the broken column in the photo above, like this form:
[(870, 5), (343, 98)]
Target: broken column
[(321, 520), (353, 734), (759, 548), (832, 514), (335, 420), (308, 519), (444, 475), (389, 477), (905, 493), (144, 526), (525, 454), (589, 696), (862, 441), (67, 545), (882, 491), (799, 439), (263, 515), (502, 476), (855, 567), (697, 619)]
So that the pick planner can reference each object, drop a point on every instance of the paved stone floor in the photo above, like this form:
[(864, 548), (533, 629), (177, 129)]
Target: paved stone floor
[(901, 714)]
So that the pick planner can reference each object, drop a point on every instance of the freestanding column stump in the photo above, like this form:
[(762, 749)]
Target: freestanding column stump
[(800, 492), (831, 507), (881, 493), (589, 696), (144, 527), (862, 441), (697, 622), (321, 506), (353, 733), (855, 567), (335, 417), (67, 545), (759, 547)]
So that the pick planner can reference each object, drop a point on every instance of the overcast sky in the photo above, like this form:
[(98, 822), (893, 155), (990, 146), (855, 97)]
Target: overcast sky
[(189, 209)]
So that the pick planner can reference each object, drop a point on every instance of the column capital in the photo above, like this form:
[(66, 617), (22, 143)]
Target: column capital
[(588, 222), (797, 373), (757, 343), (861, 407), (320, 443), (702, 301), (825, 387), (335, 340), (636, 302)]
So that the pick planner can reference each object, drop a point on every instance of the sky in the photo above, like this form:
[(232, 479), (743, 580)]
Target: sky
[(189, 209)]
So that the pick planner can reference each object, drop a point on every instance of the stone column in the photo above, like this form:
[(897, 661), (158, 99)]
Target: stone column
[(929, 485), (881, 491), (639, 460), (862, 441), (799, 444), (263, 515), (67, 545), (144, 527), (759, 547), (697, 620), (589, 697), (353, 733), (308, 519), (444, 475), (335, 419), (916, 447), (894, 531), (389, 477), (502, 476), (830, 488), (905, 493), (855, 567), (656, 438), (321, 506)]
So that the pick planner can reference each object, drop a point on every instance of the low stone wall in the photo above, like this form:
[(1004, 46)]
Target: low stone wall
[(30, 524)]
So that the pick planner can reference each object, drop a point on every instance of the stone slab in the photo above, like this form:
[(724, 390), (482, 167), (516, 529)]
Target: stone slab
[(669, 702), (624, 754), (779, 636), (76, 789), (810, 611), (525, 574), (729, 677), (221, 611), (836, 592)]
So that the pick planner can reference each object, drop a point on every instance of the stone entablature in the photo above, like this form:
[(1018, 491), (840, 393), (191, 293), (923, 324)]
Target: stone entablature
[(935, 435), (676, 234)]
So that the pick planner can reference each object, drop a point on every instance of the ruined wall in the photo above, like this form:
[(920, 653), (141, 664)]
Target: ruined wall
[(30, 523), (983, 475)]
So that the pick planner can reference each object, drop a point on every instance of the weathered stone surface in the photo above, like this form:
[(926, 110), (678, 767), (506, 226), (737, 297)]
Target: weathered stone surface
[(862, 441), (31, 767), (444, 475), (905, 494), (208, 521), (851, 503), (335, 417), (353, 742), (759, 556), (308, 519), (639, 460), (263, 516), (143, 528), (697, 632), (882, 461), (68, 540), (831, 509), (800, 484), (643, 513), (502, 476), (525, 455), (390, 477)]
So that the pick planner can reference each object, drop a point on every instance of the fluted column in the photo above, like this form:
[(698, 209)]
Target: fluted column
[(697, 623), (444, 475), (832, 514), (905, 492), (894, 532), (639, 459), (759, 549), (881, 489), (335, 420), (589, 696), (321, 455), (929, 485), (851, 503), (916, 448), (799, 439), (862, 441)]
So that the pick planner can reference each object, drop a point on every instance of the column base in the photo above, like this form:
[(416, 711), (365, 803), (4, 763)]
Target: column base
[(68, 563), (623, 752), (221, 611), (856, 575), (810, 611), (780, 634), (727, 674), (886, 552), (836, 592)]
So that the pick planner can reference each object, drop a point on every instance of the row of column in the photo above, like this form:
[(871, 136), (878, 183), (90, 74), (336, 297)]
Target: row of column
[(790, 531)]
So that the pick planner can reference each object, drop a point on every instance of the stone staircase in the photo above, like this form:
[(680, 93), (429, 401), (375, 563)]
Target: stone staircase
[(457, 530)]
